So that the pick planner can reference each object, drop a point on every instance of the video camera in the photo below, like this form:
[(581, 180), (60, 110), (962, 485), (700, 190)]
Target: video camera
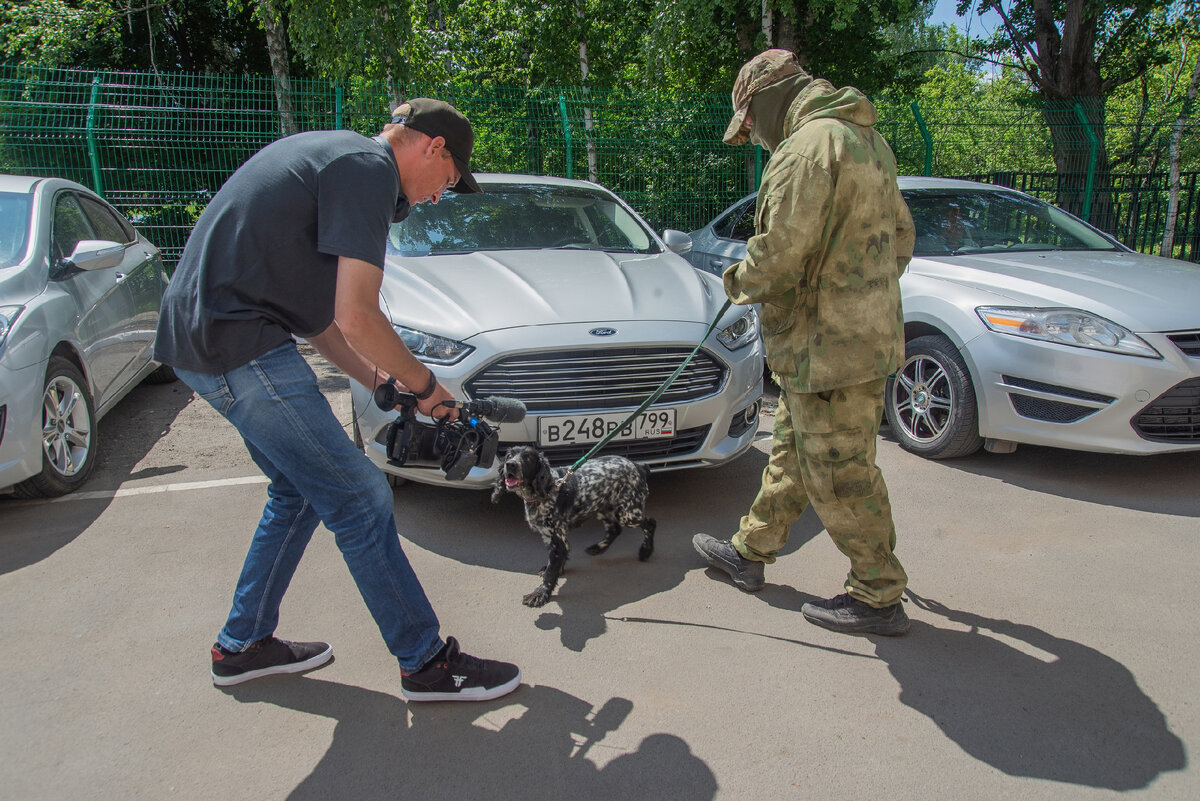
[(455, 446)]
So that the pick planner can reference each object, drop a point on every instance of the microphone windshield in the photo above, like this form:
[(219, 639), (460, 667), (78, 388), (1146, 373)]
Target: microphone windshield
[(505, 410)]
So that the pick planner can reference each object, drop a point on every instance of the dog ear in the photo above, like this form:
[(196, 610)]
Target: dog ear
[(543, 479), (565, 501)]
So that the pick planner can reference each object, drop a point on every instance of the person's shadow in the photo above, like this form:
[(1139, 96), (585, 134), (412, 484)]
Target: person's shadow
[(1029, 703), (533, 744)]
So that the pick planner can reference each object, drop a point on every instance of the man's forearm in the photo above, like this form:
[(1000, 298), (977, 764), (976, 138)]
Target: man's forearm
[(331, 344)]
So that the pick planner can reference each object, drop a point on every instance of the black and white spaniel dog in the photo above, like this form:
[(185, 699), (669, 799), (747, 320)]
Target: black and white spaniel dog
[(610, 488)]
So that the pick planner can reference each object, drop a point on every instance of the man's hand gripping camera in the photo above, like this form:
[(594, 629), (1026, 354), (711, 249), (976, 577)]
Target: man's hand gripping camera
[(455, 446)]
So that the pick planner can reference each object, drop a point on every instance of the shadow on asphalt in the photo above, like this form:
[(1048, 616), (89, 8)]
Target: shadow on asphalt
[(468, 528), (1031, 704), (1159, 483), (29, 533), (532, 744)]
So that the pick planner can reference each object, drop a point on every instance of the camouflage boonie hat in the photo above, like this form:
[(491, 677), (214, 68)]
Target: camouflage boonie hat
[(768, 67)]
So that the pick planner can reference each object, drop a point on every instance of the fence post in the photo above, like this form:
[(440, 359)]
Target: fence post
[(1093, 148), (916, 110), (566, 123), (337, 107), (93, 156), (758, 151)]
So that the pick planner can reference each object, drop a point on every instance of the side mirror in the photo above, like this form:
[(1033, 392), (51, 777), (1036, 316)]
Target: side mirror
[(677, 241), (95, 254)]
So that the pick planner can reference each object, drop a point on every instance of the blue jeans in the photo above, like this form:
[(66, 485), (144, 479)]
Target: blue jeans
[(317, 476)]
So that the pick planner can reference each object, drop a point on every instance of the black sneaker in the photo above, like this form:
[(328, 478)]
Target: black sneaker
[(746, 573), (851, 616), (267, 657), (455, 676)]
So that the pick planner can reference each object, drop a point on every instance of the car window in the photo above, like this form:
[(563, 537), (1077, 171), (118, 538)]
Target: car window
[(107, 224), (953, 222), (71, 225), (737, 223), (520, 217), (743, 224), (14, 226)]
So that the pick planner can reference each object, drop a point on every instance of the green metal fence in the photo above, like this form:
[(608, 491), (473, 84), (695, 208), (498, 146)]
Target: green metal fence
[(158, 146)]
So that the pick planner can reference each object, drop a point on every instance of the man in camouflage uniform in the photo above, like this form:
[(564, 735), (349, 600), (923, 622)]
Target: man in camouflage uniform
[(833, 236)]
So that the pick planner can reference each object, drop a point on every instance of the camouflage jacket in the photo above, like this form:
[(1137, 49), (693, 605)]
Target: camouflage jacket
[(833, 236)]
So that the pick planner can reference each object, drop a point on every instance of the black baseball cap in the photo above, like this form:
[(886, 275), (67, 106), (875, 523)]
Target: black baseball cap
[(437, 118)]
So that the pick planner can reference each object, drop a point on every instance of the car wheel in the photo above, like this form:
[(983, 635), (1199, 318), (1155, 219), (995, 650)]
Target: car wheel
[(930, 401), (163, 374), (68, 433)]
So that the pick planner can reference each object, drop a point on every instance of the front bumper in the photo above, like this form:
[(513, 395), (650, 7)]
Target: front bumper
[(1039, 393), (710, 430), (21, 439)]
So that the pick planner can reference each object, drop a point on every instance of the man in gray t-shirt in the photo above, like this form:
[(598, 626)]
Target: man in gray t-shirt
[(292, 246)]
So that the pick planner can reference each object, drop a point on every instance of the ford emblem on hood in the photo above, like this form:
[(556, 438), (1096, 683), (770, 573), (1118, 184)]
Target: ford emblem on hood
[(602, 332)]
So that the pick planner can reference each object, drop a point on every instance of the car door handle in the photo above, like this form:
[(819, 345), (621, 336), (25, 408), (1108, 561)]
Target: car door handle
[(120, 277), (718, 262)]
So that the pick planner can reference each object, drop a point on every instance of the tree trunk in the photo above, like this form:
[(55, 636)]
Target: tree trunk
[(1067, 74), (768, 24), (272, 22), (593, 169), (1168, 243)]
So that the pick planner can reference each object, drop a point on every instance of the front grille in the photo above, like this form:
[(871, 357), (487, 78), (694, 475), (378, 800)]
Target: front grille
[(598, 379), (1049, 411), (1187, 341), (639, 450), (1054, 389), (1174, 416)]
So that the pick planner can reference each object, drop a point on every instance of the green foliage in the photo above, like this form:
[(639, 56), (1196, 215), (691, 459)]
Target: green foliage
[(190, 35), (54, 33)]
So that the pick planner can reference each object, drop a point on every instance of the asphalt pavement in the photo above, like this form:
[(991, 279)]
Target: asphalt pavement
[(1051, 656)]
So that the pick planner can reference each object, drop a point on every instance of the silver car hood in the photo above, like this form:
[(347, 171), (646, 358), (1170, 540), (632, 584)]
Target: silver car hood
[(1142, 293), (465, 294)]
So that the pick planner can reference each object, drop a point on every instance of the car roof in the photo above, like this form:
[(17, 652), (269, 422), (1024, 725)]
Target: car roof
[(922, 182), (543, 180), (19, 183)]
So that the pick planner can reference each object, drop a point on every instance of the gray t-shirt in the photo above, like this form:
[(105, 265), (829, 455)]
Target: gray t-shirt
[(261, 264)]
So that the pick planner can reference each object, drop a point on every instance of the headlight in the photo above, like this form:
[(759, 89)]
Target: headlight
[(8, 316), (742, 332), (1066, 327), (432, 348)]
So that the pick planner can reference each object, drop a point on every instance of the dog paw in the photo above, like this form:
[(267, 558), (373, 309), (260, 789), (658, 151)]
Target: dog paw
[(537, 598), (644, 552), (596, 550)]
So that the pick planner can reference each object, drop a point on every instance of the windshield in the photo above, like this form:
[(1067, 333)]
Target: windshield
[(956, 221), (14, 226), (520, 217)]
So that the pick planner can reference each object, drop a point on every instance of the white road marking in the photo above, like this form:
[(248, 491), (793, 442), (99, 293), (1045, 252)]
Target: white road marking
[(125, 492)]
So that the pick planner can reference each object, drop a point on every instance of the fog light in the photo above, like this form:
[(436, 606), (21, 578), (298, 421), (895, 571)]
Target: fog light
[(744, 420)]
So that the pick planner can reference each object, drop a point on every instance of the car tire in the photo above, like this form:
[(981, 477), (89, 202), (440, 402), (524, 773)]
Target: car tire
[(163, 374), (69, 437), (930, 401)]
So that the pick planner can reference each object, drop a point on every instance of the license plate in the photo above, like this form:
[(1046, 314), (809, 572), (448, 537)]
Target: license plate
[(586, 429)]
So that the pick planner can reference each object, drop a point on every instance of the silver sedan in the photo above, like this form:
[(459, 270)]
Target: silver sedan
[(554, 294), (79, 296), (1026, 325)]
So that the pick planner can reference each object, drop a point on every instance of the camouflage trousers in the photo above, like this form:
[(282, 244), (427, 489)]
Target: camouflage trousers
[(824, 453)]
